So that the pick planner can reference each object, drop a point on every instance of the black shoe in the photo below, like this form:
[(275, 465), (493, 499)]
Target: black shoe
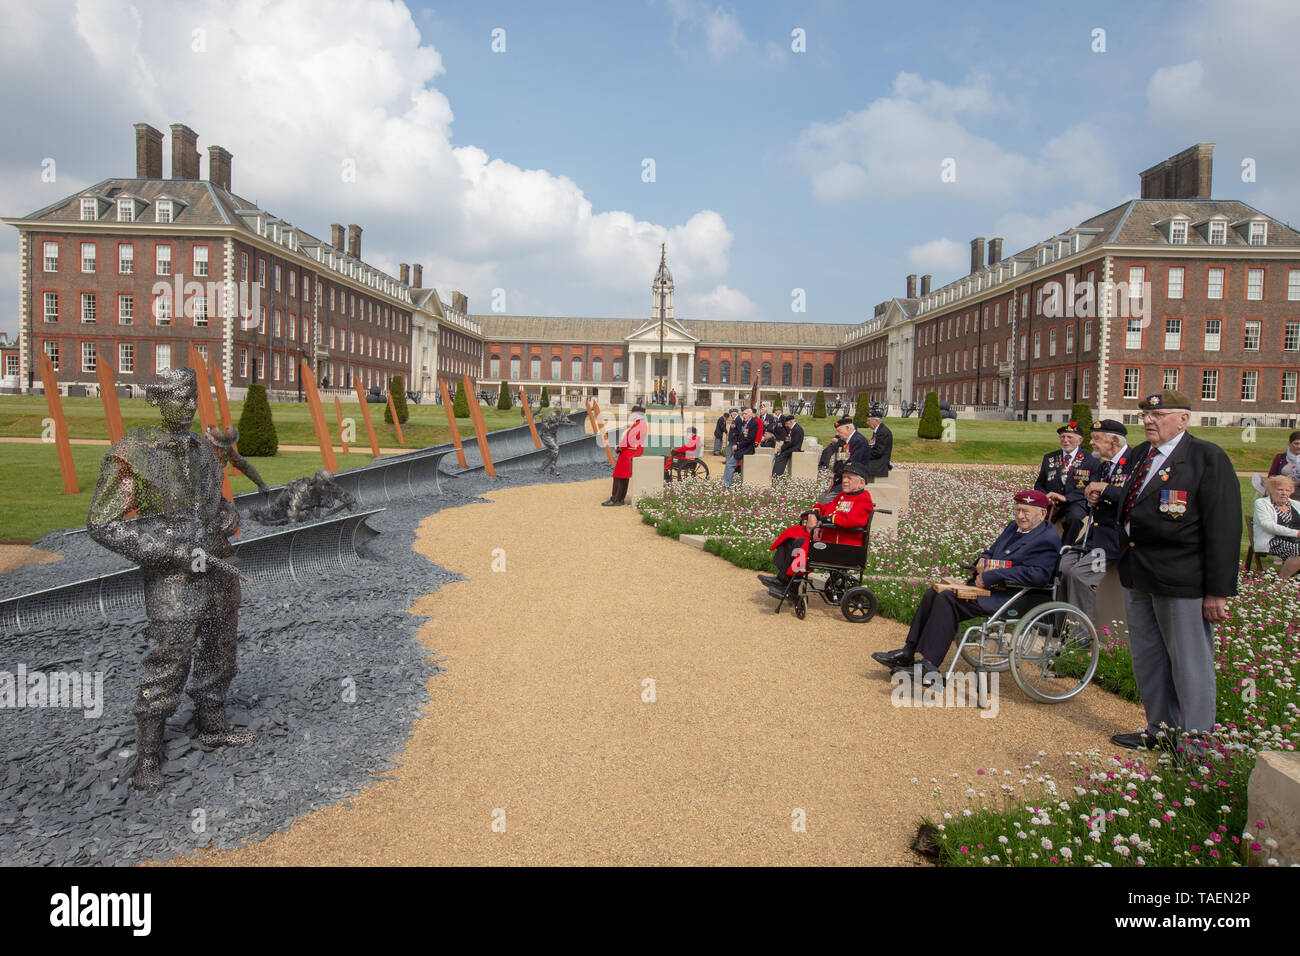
[(901, 657), (608, 504), (769, 580), (777, 591), (1142, 741)]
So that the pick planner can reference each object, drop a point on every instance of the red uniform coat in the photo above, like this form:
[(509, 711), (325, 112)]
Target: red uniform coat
[(632, 445), (689, 449), (846, 511)]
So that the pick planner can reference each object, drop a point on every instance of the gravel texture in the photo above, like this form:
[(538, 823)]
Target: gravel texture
[(331, 678)]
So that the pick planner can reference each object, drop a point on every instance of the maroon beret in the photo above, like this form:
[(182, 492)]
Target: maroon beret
[(1033, 498)]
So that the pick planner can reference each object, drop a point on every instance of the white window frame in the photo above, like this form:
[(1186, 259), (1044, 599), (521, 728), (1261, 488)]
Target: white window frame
[(200, 260), (1290, 385), (1249, 385), (162, 309), (1178, 232), (51, 348), (50, 315), (1254, 285), (1251, 325), (1169, 379), (88, 262), (1258, 231), (1217, 232), (1213, 340), (1174, 290), (1209, 385), (164, 211), (1132, 382), (89, 356), (51, 262), (159, 260), (125, 316), (91, 206), (89, 308), (126, 210), (1210, 285), (1293, 285), (1291, 336), (126, 259), (1173, 335), (1133, 332), (126, 357)]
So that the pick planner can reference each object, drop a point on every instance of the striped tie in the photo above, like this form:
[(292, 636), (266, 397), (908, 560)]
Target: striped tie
[(1139, 479)]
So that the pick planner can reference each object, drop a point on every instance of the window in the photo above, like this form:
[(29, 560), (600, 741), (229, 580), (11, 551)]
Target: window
[(162, 260), (1022, 388), (1218, 232), (126, 210), (87, 257), (1174, 289), (1133, 333), (126, 259), (767, 373), (276, 274), (828, 376), (88, 307), (1137, 277), (744, 373), (1051, 387), (1214, 284), (1289, 382), (51, 307), (596, 369), (1210, 385), (290, 367), (535, 367), (1254, 284), (702, 373), (1036, 378), (125, 357), (162, 309), (293, 285), (52, 350), (787, 374), (88, 356), (293, 327), (126, 309), (1038, 344), (200, 260), (1069, 340), (1023, 341), (1178, 232), (51, 257), (1293, 284), (556, 368), (1213, 329), (275, 324), (200, 306), (1173, 334), (1086, 376), (163, 212), (90, 209), (1170, 380), (1291, 337), (1051, 342), (575, 368), (1259, 233), (1249, 384), (275, 364), (724, 373), (1132, 382), (1251, 339), (995, 353), (261, 366)]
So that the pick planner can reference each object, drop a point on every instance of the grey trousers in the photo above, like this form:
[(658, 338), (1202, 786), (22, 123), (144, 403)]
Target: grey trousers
[(1173, 660), (1081, 580), (729, 470)]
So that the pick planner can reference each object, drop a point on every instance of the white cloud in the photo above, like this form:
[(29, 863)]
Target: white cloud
[(940, 257), (1021, 229), (719, 29), (296, 88), (722, 303)]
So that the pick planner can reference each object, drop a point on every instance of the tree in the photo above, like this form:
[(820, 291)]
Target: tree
[(460, 404), (1081, 415), (776, 402), (503, 398), (546, 398), (861, 412), (931, 423), (397, 389), (257, 438), (819, 406)]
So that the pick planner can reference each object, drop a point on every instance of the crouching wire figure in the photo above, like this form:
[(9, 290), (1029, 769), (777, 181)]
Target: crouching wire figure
[(546, 430), (307, 499), (223, 446)]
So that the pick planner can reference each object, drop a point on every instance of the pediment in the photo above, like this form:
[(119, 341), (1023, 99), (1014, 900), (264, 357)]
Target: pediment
[(673, 332)]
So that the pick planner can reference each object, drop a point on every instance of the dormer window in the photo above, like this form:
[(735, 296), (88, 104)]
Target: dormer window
[(1178, 232), (126, 210), (89, 210), (1042, 256), (163, 212), (1259, 233), (1218, 232), (1075, 240)]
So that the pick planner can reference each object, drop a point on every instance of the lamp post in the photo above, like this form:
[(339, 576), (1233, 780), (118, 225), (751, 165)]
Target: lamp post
[(659, 364)]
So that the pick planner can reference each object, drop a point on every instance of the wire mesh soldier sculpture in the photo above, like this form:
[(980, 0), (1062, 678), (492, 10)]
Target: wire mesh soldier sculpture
[(546, 430), (306, 499), (223, 446), (181, 539)]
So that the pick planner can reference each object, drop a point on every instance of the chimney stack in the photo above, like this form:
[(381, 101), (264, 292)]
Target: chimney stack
[(1188, 175), (976, 254), (354, 241), (185, 152), (925, 285), (148, 152), (417, 276), (460, 303), (336, 236), (911, 286), (219, 167), (405, 273), (995, 250)]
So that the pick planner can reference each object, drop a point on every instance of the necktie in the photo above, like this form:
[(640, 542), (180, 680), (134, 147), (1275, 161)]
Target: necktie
[(1139, 479)]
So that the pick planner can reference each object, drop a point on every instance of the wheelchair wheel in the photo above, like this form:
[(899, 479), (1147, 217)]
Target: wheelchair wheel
[(1054, 652), (993, 661), (858, 605), (836, 584), (696, 470), (801, 606)]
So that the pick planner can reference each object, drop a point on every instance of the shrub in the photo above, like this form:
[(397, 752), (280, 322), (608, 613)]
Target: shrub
[(1082, 414), (503, 398), (860, 413), (460, 404), (397, 389), (257, 438), (545, 400), (931, 424), (776, 402), (819, 406)]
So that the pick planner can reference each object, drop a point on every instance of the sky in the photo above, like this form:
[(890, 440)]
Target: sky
[(535, 155)]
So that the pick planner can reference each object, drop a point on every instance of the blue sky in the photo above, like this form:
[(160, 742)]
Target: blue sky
[(521, 171)]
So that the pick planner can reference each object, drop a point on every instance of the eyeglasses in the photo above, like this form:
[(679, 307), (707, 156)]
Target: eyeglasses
[(1154, 416)]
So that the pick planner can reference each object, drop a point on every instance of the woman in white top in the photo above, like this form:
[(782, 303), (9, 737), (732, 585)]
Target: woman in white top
[(1277, 524)]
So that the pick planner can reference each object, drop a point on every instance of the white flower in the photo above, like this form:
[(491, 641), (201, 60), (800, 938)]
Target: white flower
[(1003, 839), (1066, 852), (1189, 801), (1047, 844), (1122, 850), (947, 816), (1153, 823), (1157, 795), (1023, 835), (1122, 811), (966, 812)]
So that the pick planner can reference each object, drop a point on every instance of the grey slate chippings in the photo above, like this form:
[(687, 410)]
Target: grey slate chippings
[(65, 795)]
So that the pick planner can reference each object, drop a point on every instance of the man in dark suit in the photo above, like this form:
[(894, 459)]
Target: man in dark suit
[(793, 443), (720, 432), (1181, 519), (881, 440), (1099, 532), (850, 445), (744, 438), (1024, 555), (1062, 477)]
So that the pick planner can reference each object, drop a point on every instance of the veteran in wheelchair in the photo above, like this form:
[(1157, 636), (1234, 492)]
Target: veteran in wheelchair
[(1050, 647), (832, 537)]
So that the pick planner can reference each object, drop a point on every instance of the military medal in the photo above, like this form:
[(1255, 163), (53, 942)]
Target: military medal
[(1173, 503)]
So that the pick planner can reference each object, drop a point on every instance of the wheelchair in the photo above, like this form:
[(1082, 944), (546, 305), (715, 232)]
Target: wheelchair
[(686, 469), (1050, 646), (844, 565)]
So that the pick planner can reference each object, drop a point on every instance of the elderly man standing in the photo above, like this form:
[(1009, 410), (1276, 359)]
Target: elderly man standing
[(1024, 555), (849, 446), (1099, 534), (1181, 516), (743, 440), (881, 440), (1062, 477)]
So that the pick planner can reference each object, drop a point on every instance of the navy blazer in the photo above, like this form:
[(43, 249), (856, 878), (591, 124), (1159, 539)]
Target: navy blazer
[(1033, 558), (744, 437), (881, 451), (1106, 533)]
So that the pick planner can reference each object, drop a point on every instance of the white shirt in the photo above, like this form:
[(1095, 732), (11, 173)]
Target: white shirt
[(1118, 455), (1162, 454)]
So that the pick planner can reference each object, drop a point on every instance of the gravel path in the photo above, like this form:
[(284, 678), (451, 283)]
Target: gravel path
[(538, 745)]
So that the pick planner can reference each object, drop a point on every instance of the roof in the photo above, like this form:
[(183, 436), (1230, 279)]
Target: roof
[(708, 331)]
